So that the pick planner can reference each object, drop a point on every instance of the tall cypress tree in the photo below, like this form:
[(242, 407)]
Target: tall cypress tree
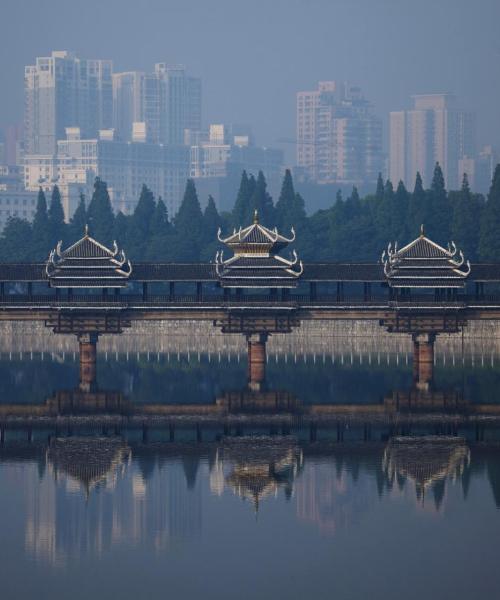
[(466, 219), (189, 225), (286, 202), (211, 221), (401, 202), (100, 213), (78, 220), (262, 202), (16, 242), (379, 193), (121, 231), (162, 240), (57, 226), (383, 214), (160, 223), (141, 223), (41, 230), (417, 208), (489, 240), (440, 217), (242, 204)]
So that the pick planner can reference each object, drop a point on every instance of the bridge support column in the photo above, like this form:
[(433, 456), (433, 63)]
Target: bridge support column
[(256, 360), (88, 357), (423, 359)]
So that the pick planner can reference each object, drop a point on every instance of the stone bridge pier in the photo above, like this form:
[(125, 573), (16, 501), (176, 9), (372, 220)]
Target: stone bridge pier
[(424, 329), (257, 326), (88, 361), (256, 344), (423, 360)]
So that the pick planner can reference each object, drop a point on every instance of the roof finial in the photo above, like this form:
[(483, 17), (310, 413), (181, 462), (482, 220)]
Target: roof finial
[(255, 217), (86, 229), (422, 230)]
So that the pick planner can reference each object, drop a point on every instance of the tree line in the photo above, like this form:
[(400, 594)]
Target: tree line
[(352, 229)]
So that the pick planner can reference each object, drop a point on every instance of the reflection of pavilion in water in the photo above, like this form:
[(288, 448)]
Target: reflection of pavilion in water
[(427, 461), (259, 466), (93, 493), (88, 461), (150, 485)]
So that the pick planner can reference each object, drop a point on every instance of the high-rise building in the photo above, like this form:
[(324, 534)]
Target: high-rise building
[(65, 91), (435, 130), (124, 166), (480, 169), (168, 101), (339, 140), (219, 156)]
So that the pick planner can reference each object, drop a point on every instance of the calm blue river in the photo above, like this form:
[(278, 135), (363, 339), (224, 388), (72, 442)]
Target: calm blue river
[(169, 479)]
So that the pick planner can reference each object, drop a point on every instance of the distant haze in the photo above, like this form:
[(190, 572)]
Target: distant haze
[(254, 56)]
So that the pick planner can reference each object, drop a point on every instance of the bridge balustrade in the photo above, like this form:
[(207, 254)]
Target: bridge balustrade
[(152, 300)]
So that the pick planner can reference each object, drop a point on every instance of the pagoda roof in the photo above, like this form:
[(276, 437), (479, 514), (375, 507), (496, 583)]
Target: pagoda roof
[(425, 264), (255, 263), (88, 264), (255, 238)]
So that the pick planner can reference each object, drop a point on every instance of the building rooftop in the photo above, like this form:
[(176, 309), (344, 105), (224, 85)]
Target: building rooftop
[(88, 264), (255, 263), (424, 264)]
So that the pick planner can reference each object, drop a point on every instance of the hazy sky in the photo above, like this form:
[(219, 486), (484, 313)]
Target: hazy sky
[(254, 55)]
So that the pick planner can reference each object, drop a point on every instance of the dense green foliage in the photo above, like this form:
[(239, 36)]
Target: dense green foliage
[(352, 229)]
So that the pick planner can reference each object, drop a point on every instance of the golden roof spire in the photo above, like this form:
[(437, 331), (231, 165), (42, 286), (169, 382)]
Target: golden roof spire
[(255, 217)]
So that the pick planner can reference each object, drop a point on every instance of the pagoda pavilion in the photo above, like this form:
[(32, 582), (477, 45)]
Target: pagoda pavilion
[(423, 264), (88, 264), (255, 263)]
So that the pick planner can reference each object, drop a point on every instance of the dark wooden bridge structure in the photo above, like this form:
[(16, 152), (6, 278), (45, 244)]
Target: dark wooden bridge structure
[(88, 290)]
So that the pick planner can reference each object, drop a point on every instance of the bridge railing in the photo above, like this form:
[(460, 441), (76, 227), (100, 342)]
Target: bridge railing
[(126, 300)]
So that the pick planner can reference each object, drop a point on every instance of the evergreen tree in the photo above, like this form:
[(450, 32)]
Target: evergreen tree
[(160, 224), (141, 223), (189, 225), (401, 208), (467, 208), (121, 232), (440, 214), (489, 240), (16, 242), (100, 214), (379, 194), (78, 221), (41, 232), (211, 223), (290, 208), (241, 208), (262, 202), (162, 237), (338, 196), (286, 202), (417, 208), (57, 226), (383, 215)]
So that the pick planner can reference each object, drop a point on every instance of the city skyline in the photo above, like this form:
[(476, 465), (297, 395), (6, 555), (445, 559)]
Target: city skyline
[(281, 69)]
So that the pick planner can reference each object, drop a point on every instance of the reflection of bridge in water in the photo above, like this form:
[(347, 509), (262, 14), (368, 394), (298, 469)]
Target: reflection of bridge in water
[(406, 412), (145, 464), (257, 444)]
